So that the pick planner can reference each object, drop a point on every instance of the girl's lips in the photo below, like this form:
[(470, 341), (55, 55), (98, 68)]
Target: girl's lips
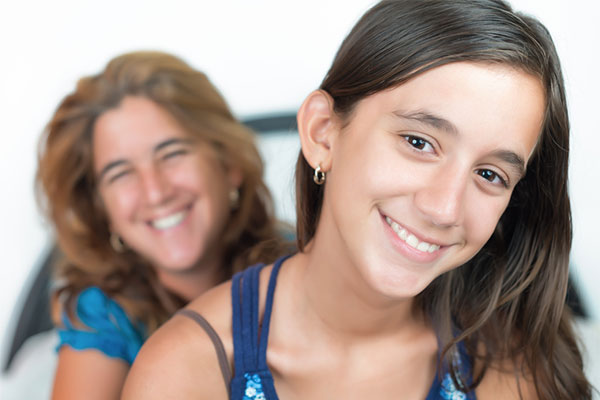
[(409, 244), (410, 238)]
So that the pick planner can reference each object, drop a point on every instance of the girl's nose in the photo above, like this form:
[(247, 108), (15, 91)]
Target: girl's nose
[(441, 200)]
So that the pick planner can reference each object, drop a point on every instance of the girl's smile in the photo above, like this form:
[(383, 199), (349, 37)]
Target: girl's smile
[(420, 174), (410, 244)]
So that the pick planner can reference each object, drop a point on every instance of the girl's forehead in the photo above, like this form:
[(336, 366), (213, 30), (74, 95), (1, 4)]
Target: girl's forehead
[(491, 102)]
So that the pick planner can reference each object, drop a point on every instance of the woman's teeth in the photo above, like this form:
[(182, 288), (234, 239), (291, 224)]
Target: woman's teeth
[(169, 221), (411, 239)]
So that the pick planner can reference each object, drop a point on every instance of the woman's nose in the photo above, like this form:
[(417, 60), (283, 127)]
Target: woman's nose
[(156, 186)]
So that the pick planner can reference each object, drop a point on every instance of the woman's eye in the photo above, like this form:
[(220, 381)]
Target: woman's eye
[(419, 144), (174, 154), (492, 177), (118, 175)]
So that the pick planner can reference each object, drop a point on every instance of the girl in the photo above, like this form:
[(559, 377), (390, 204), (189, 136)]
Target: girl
[(156, 194), (433, 226)]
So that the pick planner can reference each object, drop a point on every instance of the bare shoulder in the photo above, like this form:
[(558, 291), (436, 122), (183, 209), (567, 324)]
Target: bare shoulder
[(88, 374), (501, 382), (179, 360)]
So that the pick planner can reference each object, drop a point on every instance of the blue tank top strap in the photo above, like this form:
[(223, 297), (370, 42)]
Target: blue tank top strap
[(264, 336), (443, 387), (252, 379), (241, 323)]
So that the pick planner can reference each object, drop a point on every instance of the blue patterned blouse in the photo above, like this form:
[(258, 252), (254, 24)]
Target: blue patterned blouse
[(107, 329)]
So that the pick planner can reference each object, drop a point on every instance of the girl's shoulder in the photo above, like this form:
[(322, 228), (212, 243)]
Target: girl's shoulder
[(99, 322), (180, 360), (503, 381)]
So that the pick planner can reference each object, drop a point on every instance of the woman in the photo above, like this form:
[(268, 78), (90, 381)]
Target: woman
[(433, 227), (156, 194)]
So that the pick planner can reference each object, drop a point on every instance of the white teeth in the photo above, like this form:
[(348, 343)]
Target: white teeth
[(169, 221), (423, 246), (433, 247), (403, 234), (411, 239), (398, 229)]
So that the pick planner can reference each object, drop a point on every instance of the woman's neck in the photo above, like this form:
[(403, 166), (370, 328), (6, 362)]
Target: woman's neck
[(191, 283)]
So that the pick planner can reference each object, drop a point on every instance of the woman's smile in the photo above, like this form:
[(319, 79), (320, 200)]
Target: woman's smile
[(170, 220), (165, 194)]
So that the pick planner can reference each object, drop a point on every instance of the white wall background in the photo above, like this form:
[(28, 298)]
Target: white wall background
[(264, 56)]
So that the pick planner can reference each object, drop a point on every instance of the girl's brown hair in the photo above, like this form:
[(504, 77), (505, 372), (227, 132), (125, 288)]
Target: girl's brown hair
[(508, 302), (67, 188)]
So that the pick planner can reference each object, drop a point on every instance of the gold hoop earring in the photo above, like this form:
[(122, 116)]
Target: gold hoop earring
[(319, 176), (116, 242)]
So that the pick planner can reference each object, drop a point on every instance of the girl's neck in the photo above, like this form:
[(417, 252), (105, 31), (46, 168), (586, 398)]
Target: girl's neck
[(337, 295)]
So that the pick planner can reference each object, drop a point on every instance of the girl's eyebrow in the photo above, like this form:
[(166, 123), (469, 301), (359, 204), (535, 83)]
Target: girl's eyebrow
[(513, 159), (427, 118), (430, 119)]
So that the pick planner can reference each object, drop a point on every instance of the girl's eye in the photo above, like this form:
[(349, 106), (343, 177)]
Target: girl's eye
[(419, 144), (492, 177)]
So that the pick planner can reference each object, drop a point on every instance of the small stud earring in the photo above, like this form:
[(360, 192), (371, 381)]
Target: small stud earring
[(116, 242), (319, 176), (234, 198)]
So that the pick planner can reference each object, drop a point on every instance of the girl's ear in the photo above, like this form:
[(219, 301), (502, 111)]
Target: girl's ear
[(318, 127)]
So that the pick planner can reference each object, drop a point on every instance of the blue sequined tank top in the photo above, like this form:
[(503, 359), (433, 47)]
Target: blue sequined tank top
[(253, 380)]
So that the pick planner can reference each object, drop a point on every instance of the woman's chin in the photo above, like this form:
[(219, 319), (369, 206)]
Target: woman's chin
[(177, 263)]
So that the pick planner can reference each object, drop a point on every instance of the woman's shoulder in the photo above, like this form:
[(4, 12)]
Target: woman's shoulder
[(99, 322), (180, 359)]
